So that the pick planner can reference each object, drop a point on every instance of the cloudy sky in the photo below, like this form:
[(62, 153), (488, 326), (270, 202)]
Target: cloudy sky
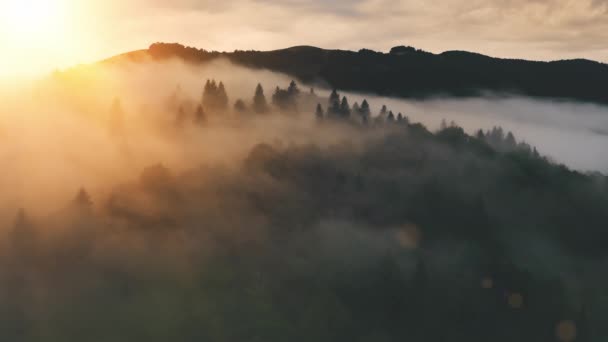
[(532, 29)]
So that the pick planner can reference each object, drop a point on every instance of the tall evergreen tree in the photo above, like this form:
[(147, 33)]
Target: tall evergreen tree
[(222, 97), (365, 110), (391, 117), (334, 104), (210, 95), (356, 110), (260, 105), (345, 108)]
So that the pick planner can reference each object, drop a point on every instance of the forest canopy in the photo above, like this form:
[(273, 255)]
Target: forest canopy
[(299, 214)]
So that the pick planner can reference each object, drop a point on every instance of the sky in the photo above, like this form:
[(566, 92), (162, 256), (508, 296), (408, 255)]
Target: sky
[(42, 35)]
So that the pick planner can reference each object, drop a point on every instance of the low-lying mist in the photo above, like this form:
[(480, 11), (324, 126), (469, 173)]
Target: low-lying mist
[(574, 134), (139, 203)]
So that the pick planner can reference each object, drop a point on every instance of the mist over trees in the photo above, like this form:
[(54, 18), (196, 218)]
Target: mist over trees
[(391, 231), (412, 73)]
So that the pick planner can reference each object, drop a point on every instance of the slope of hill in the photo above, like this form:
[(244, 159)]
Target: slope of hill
[(410, 73)]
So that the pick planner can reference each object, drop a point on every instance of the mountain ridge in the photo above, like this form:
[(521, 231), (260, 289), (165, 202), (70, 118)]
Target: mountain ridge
[(407, 72)]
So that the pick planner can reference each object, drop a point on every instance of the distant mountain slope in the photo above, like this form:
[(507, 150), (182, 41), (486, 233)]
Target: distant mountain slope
[(411, 73)]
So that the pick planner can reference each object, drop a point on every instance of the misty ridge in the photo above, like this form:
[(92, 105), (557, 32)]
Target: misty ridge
[(160, 200)]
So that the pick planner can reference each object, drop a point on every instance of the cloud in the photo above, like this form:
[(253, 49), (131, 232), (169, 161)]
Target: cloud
[(540, 29)]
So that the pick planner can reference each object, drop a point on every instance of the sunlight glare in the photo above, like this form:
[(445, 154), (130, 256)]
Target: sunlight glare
[(31, 20)]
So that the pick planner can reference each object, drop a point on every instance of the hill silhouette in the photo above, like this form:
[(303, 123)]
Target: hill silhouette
[(407, 72)]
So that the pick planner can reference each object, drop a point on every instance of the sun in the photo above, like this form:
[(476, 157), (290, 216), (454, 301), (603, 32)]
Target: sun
[(31, 21)]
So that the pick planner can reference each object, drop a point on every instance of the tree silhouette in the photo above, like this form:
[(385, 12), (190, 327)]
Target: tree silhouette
[(293, 89), (383, 111), (356, 110), (215, 96), (260, 105), (334, 104), (282, 99), (209, 94), (365, 111), (222, 97), (391, 117), (345, 108)]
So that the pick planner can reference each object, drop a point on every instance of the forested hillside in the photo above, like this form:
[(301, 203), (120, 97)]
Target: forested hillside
[(410, 73)]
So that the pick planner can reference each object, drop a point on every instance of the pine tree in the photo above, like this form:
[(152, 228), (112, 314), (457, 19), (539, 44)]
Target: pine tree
[(356, 110), (391, 117), (365, 111), (383, 111), (222, 97), (334, 104), (260, 105), (345, 108), (400, 118), (210, 95), (293, 89)]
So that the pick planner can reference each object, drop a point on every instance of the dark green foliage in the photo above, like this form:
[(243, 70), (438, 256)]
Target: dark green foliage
[(404, 236), (413, 236)]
